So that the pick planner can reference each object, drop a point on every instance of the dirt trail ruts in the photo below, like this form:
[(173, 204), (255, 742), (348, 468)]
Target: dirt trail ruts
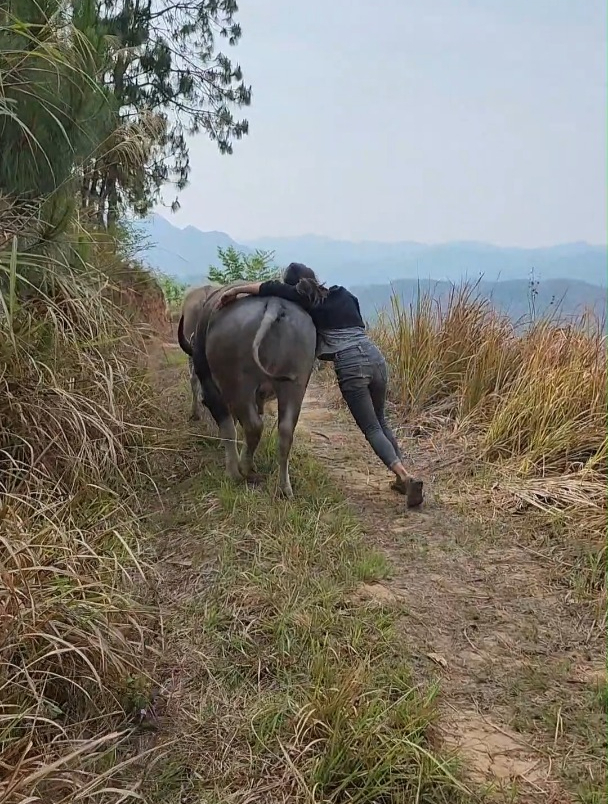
[(477, 615)]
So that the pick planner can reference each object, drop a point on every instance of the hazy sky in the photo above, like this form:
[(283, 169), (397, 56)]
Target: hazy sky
[(427, 120)]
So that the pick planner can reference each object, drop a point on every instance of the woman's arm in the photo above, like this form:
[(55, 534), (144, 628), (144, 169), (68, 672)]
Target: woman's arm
[(230, 295), (282, 290), (270, 288)]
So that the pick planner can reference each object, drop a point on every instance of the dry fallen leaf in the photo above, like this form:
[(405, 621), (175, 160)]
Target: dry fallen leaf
[(435, 657)]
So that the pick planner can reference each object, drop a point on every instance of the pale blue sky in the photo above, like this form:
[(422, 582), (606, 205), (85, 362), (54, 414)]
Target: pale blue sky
[(427, 120)]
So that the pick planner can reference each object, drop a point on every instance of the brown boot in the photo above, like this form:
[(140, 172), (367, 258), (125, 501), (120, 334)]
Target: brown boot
[(411, 489)]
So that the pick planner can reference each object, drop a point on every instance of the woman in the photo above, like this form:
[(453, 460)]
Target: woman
[(360, 366)]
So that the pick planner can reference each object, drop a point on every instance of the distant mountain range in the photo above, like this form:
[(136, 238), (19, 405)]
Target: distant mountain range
[(187, 253), (574, 274)]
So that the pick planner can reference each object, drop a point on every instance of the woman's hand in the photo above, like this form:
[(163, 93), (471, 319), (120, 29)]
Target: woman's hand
[(228, 296)]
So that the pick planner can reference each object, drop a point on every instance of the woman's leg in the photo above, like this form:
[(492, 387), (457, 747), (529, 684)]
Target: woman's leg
[(359, 401), (354, 374), (357, 372), (405, 483), (378, 391)]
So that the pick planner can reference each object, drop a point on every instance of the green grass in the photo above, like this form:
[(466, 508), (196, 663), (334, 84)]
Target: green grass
[(288, 688), (544, 704)]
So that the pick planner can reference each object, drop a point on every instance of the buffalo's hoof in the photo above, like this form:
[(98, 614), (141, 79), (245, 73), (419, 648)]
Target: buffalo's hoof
[(253, 479)]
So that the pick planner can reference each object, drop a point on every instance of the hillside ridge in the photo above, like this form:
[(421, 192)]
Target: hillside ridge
[(187, 253)]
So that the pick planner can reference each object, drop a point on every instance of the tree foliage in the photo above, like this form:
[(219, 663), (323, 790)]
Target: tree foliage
[(168, 69), (53, 113), (173, 290), (97, 98), (257, 267)]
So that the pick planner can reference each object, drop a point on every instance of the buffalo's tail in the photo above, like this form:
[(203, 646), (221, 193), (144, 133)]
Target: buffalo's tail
[(274, 312)]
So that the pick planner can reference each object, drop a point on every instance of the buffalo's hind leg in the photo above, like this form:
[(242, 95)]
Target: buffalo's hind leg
[(228, 435), (252, 424), (289, 396), (197, 408), (259, 402), (215, 404)]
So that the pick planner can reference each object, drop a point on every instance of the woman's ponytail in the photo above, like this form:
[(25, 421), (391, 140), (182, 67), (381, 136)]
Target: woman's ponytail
[(305, 281), (312, 290)]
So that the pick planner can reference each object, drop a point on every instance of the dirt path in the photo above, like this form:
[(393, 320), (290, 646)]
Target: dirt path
[(275, 680), (517, 660), (482, 610)]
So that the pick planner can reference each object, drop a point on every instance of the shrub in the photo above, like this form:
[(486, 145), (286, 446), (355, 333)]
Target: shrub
[(258, 267)]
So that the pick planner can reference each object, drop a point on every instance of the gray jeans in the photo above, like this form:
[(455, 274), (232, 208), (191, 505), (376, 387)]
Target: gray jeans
[(362, 376)]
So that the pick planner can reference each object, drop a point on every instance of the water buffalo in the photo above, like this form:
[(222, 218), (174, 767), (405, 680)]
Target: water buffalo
[(243, 354)]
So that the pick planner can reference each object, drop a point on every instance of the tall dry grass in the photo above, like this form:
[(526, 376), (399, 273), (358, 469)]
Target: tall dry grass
[(73, 638), (531, 401)]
